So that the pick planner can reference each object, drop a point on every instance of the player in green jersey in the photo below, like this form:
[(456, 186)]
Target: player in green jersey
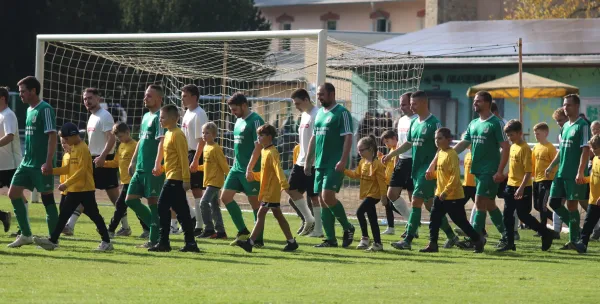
[(489, 151), (247, 160), (146, 165), (332, 130), (35, 169), (572, 158), (421, 139)]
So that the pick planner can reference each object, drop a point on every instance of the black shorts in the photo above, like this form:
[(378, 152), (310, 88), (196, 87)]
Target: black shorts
[(197, 178), (302, 183), (469, 193), (106, 178), (502, 189), (401, 178), (6, 177), (270, 205)]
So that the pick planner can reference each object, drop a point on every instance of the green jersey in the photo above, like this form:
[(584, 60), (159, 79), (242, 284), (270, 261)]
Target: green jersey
[(574, 136), (331, 126), (421, 134), (485, 137), (41, 120), (150, 135), (244, 140)]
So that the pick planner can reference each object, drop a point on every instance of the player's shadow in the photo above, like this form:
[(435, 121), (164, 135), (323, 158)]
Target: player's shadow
[(49, 256), (202, 256)]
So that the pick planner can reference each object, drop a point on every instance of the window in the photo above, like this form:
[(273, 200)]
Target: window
[(286, 43), (382, 25), (331, 25)]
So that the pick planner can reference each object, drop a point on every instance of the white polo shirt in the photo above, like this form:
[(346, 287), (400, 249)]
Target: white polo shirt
[(305, 131), (10, 155), (192, 123), (99, 123), (403, 129)]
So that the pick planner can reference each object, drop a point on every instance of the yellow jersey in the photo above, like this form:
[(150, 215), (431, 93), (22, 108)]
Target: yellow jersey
[(176, 164), (77, 170), (389, 166), (295, 154), (469, 178), (448, 175), (215, 165), (519, 164), (271, 176), (122, 160), (541, 157), (63, 177), (372, 178), (594, 180)]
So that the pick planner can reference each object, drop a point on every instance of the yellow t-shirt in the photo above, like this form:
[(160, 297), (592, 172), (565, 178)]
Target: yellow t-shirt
[(448, 175), (271, 176), (519, 164), (63, 177), (176, 164), (542, 156), (295, 154), (122, 160), (215, 166), (469, 178), (594, 180), (372, 178), (78, 169)]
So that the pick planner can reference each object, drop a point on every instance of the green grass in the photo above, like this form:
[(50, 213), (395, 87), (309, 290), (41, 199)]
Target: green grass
[(75, 274)]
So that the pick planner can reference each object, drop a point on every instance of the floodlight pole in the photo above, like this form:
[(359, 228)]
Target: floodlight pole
[(521, 80)]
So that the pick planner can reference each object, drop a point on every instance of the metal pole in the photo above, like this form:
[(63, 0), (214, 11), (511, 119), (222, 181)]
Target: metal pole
[(39, 74), (521, 80), (224, 92), (322, 57)]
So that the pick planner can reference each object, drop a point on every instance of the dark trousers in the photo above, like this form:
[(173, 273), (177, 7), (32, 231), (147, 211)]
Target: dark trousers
[(70, 203), (456, 210), (591, 219), (523, 207), (121, 211), (172, 196), (470, 192), (368, 207), (541, 194)]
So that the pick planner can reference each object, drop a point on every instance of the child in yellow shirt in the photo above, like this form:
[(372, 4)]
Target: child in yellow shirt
[(272, 182), (390, 140), (593, 212), (518, 190), (373, 188), (177, 181), (542, 155), (80, 189), (215, 169), (449, 195), (65, 160)]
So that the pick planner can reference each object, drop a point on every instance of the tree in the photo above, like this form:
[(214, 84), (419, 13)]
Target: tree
[(551, 9)]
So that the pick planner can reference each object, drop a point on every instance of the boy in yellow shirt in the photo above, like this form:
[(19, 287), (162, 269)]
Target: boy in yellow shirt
[(518, 190), (390, 140), (215, 169), (65, 160), (449, 195), (542, 155), (272, 182), (122, 160), (80, 189), (593, 211)]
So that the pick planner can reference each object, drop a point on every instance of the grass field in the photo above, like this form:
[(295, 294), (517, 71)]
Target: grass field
[(75, 274)]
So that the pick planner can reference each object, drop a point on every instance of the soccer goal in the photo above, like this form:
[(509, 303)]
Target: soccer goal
[(266, 66)]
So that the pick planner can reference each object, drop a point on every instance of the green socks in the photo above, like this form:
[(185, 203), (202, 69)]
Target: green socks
[(141, 210), (51, 217), (563, 213), (154, 229), (496, 216), (446, 228), (236, 215), (574, 226), (413, 223), (340, 214), (479, 221), (259, 238), (328, 223), (21, 214)]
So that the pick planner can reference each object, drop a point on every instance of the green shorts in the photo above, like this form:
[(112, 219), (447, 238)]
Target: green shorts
[(424, 189), (32, 178), (485, 186), (328, 179), (145, 184), (569, 190), (237, 181)]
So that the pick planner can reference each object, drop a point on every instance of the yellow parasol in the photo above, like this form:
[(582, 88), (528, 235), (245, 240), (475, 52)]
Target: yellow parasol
[(533, 87)]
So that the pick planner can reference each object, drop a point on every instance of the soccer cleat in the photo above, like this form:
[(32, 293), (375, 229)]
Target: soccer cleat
[(206, 234), (402, 245), (301, 228), (259, 244), (389, 231), (459, 232), (484, 233), (316, 233), (111, 235), (16, 234), (124, 232), (595, 235), (219, 236), (240, 237), (451, 242), (146, 245), (5, 218), (198, 232), (45, 243), (375, 247), (501, 243), (364, 243), (327, 243), (478, 246), (175, 230), (517, 236), (431, 247), (68, 231), (556, 235), (547, 239), (246, 245), (290, 246), (160, 248), (348, 237), (466, 244), (507, 247), (581, 247), (406, 234), (308, 228), (144, 234), (20, 241), (568, 246), (104, 246), (191, 247)]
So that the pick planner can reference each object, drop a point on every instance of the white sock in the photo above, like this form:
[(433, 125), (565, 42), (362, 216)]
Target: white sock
[(557, 222), (516, 221), (198, 213), (174, 223), (73, 219), (318, 222), (402, 206), (292, 240), (303, 207), (472, 219), (124, 222)]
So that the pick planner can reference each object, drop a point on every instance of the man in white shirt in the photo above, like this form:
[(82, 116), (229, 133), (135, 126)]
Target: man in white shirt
[(193, 120), (10, 149)]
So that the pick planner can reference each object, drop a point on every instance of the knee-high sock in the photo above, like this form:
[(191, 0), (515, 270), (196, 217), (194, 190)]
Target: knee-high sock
[(574, 228), (496, 217), (236, 216), (328, 223), (21, 214), (340, 214), (51, 211), (260, 236)]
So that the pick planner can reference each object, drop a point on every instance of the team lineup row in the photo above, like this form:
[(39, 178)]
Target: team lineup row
[(167, 161)]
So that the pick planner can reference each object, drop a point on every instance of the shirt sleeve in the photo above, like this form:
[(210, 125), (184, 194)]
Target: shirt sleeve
[(380, 177), (221, 160), (408, 135), (107, 122), (533, 161), (499, 132), (181, 149), (49, 120), (527, 160), (279, 171), (356, 172), (467, 136), (64, 167), (10, 124), (345, 123), (114, 163)]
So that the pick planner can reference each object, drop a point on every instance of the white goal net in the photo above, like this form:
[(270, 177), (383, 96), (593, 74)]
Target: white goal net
[(264, 66)]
